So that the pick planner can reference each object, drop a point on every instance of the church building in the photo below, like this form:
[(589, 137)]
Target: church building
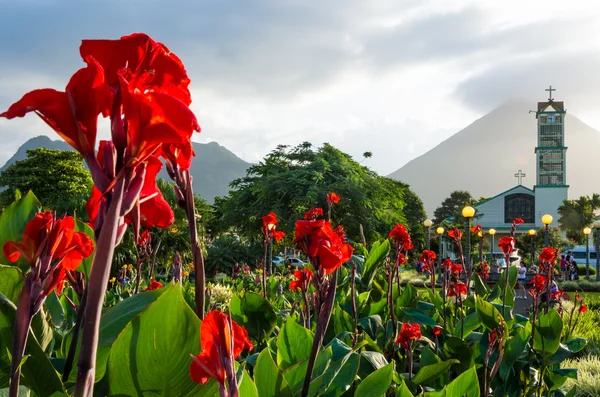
[(550, 189)]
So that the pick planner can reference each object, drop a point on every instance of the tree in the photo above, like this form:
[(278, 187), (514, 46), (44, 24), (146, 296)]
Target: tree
[(57, 177), (291, 180), (452, 206), (577, 214)]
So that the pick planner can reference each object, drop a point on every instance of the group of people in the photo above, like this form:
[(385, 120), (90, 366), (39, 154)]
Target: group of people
[(568, 267)]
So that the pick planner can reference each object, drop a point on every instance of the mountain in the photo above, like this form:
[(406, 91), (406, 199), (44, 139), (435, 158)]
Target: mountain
[(484, 157), (213, 168)]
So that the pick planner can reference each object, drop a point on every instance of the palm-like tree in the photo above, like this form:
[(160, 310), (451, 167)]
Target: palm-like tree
[(577, 214)]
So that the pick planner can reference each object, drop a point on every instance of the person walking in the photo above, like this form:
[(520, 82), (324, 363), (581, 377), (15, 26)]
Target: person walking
[(521, 276), (563, 267)]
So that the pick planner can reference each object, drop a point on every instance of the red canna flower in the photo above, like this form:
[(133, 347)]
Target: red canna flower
[(339, 230), (447, 264), (332, 198), (457, 289), (145, 238), (455, 234), (493, 337), (401, 237), (507, 245), (222, 340), (321, 244), (428, 256), (313, 213), (476, 229), (483, 270), (269, 221), (456, 268), (401, 260), (408, 333), (154, 285), (517, 221), (437, 331), (303, 277), (539, 284), (548, 255), (278, 235), (582, 309)]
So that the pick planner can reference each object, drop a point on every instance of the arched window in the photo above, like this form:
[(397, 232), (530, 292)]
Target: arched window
[(519, 205)]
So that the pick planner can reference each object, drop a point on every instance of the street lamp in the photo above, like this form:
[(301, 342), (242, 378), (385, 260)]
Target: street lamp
[(440, 232), (428, 224), (532, 248), (587, 231), (468, 212), (546, 220), (492, 232), (597, 244)]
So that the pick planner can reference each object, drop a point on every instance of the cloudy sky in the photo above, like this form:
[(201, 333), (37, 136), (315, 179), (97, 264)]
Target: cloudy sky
[(391, 77)]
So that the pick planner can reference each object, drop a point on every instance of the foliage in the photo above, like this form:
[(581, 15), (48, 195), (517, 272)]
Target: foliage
[(555, 239), (588, 373), (577, 214), (292, 180), (57, 177), (224, 252), (452, 206)]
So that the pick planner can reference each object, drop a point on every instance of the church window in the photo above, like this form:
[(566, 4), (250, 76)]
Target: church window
[(519, 205)]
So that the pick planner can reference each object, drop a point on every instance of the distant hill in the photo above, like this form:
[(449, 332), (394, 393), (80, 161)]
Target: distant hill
[(483, 158), (213, 168)]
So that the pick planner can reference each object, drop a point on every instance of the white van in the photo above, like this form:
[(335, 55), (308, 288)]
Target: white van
[(579, 254)]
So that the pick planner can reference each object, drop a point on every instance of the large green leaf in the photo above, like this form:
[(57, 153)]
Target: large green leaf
[(419, 317), (489, 316), (38, 374), (255, 313), (344, 378), (377, 254), (13, 220), (11, 282), (458, 349), (377, 383), (471, 323), (267, 377), (324, 381), (295, 374), (465, 385), (547, 333), (342, 322), (408, 297), (516, 344), (86, 263), (293, 344), (403, 391), (151, 355), (431, 372), (113, 323)]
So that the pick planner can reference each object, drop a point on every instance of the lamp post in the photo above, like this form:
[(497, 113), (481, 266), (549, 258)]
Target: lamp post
[(587, 231), (597, 245), (546, 220), (468, 212), (440, 233), (492, 232), (532, 247), (428, 224)]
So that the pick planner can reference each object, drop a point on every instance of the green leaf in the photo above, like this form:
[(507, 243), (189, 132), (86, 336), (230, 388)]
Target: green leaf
[(547, 333), (247, 386), (481, 287), (402, 390), (296, 373), (466, 385), (458, 349), (419, 317), (56, 310), (342, 321), (489, 316), (576, 345), (471, 323), (86, 264), (408, 297), (294, 343), (151, 355), (267, 377), (431, 372), (514, 347), (255, 313), (379, 251), (13, 220), (344, 378), (322, 382), (38, 374), (377, 383), (11, 282)]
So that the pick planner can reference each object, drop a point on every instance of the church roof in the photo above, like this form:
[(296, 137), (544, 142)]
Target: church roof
[(503, 193), (558, 106)]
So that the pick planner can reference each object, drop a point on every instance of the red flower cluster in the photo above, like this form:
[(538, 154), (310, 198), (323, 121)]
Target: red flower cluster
[(427, 257), (401, 237), (447, 264), (323, 246), (408, 333), (456, 268), (222, 341), (483, 270), (313, 213), (303, 277), (455, 234), (457, 289), (437, 331), (154, 285), (476, 229), (269, 226), (507, 245), (582, 309), (54, 243), (548, 255), (332, 198), (518, 221), (538, 285)]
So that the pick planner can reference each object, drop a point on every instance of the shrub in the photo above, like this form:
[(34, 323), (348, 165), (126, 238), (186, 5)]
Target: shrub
[(580, 285), (588, 372), (581, 270)]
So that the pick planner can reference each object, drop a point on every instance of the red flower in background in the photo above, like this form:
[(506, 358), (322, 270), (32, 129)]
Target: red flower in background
[(437, 331), (483, 270), (428, 256), (447, 264), (457, 289), (455, 234), (408, 333), (313, 213), (507, 245), (332, 198), (303, 277), (456, 268), (154, 285), (401, 237), (278, 235), (582, 309), (548, 255), (539, 284), (269, 220), (321, 244), (217, 332), (476, 229), (518, 221)]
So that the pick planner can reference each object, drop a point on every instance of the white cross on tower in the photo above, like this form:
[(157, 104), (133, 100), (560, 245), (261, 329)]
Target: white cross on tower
[(520, 175)]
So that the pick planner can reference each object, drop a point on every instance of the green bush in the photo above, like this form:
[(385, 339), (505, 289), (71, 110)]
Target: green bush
[(588, 373), (580, 285), (581, 270)]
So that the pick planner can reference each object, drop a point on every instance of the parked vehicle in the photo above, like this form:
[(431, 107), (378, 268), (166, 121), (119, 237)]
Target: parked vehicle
[(278, 260), (579, 254), (294, 261)]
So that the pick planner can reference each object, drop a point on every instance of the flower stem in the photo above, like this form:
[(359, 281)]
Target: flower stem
[(105, 248), (507, 260), (353, 291), (323, 317), (75, 338), (23, 318), (197, 255)]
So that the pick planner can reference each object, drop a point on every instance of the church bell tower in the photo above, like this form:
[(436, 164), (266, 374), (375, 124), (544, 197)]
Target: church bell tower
[(551, 187)]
